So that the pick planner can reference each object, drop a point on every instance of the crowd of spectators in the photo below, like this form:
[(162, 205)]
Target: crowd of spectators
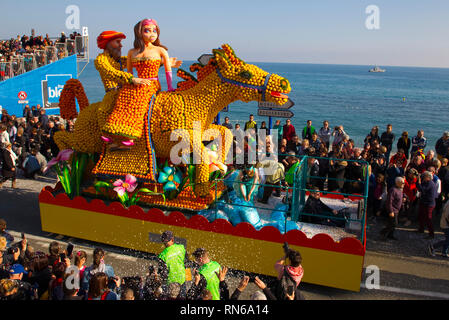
[(63, 274), (336, 165), (27, 143), (28, 44)]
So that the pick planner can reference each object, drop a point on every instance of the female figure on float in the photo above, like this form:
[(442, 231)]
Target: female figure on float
[(127, 120), (246, 184)]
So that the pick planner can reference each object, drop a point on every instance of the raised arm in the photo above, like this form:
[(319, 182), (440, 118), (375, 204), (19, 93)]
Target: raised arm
[(167, 66)]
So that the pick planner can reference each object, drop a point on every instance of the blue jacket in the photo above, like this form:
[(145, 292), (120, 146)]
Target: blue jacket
[(429, 193), (89, 272)]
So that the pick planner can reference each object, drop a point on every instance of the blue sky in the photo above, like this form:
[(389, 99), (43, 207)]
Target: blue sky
[(412, 33)]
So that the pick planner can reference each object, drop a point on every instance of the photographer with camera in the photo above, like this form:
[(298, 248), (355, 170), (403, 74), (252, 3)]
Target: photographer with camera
[(289, 275), (15, 254)]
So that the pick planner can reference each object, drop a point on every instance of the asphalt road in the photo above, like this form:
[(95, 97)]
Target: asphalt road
[(406, 271)]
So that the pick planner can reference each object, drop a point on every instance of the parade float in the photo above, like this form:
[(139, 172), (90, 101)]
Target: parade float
[(128, 197)]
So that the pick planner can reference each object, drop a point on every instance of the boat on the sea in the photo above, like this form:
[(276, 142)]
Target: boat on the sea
[(376, 69)]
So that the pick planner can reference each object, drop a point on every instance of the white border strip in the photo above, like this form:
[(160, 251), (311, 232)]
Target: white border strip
[(411, 292)]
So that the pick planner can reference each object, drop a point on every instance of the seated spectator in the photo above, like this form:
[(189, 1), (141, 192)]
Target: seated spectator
[(314, 206), (34, 164)]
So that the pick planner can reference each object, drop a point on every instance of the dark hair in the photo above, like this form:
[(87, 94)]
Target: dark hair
[(97, 284), (40, 261), (2, 224), (295, 258), (59, 269), (139, 44), (54, 248), (206, 294), (98, 255), (198, 253), (80, 255)]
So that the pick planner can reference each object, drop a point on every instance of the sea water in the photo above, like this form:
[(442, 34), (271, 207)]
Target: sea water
[(409, 98)]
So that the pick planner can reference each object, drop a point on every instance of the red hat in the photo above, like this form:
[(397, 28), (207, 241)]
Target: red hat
[(107, 36)]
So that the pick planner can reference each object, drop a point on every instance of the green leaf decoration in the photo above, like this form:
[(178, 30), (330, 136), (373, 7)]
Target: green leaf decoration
[(67, 182)]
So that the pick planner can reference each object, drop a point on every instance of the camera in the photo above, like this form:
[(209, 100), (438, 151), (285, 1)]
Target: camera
[(286, 247), (151, 269)]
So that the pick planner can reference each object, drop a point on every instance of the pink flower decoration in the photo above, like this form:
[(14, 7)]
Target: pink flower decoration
[(129, 185), (63, 155)]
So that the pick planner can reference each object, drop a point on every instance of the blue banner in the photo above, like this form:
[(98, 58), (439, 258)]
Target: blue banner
[(40, 86)]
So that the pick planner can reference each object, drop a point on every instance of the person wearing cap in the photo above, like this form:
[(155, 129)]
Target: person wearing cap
[(24, 289), (209, 270), (442, 146), (172, 260)]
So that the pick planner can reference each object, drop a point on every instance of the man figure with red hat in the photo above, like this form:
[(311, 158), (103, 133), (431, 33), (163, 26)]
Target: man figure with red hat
[(110, 65)]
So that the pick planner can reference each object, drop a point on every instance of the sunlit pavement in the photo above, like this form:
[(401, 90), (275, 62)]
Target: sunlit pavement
[(406, 269)]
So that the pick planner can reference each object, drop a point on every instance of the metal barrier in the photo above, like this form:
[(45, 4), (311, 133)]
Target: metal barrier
[(297, 196), (17, 65), (6, 71), (29, 61)]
